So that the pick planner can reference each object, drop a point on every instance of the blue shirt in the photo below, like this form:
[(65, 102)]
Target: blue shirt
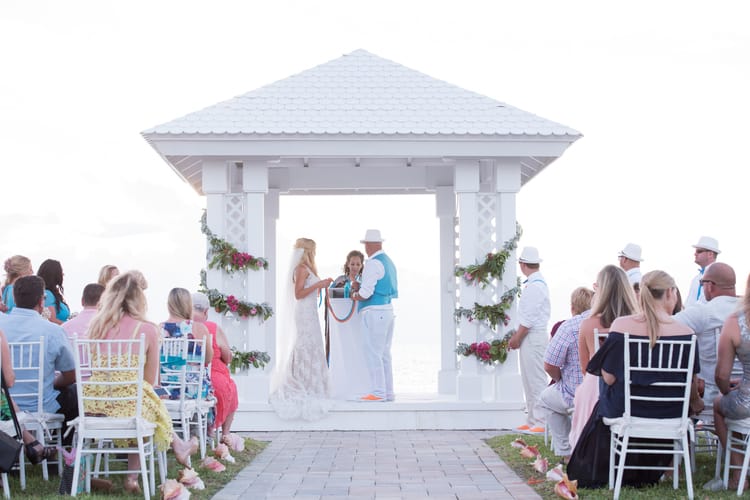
[(27, 325), (8, 297), (63, 313)]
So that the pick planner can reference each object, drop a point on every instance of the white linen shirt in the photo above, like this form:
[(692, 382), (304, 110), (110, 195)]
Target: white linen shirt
[(534, 307), (692, 297), (634, 275), (706, 320)]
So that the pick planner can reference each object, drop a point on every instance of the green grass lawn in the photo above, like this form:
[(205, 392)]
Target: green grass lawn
[(36, 487), (705, 472)]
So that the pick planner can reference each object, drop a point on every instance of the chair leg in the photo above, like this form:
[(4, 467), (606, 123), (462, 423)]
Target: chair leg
[(144, 468), (6, 486), (745, 462), (623, 454), (727, 458), (688, 468)]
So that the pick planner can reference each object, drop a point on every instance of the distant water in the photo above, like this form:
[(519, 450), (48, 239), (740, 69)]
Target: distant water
[(415, 368)]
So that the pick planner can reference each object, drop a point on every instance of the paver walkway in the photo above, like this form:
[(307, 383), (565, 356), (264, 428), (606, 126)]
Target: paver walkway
[(376, 464)]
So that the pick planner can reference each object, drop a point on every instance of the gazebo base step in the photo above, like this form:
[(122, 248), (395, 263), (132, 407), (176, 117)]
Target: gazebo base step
[(408, 412)]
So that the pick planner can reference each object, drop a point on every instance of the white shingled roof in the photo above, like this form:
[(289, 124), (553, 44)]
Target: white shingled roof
[(361, 93)]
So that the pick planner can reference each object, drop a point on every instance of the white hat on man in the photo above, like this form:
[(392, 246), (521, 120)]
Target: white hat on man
[(372, 236), (708, 243), (200, 301), (530, 255), (632, 252)]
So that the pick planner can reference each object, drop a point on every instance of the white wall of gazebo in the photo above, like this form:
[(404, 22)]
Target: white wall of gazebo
[(364, 125)]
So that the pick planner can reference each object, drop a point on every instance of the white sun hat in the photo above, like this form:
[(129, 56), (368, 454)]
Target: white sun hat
[(530, 255), (632, 252), (708, 243), (372, 236)]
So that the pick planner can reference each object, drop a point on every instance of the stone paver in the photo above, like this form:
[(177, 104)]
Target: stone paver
[(319, 465)]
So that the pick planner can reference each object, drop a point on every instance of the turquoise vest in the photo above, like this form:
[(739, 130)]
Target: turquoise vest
[(386, 288)]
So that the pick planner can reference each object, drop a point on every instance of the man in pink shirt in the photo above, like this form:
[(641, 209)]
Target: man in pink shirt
[(79, 325)]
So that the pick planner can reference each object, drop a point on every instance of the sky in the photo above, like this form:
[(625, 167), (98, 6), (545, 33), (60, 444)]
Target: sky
[(658, 90)]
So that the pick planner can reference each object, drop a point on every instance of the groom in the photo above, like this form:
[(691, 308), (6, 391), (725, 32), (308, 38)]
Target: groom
[(379, 286)]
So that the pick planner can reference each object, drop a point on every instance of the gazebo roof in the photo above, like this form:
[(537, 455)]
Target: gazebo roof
[(360, 93), (359, 107)]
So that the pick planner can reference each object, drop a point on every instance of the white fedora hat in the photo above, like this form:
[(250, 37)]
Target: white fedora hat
[(632, 252), (530, 255), (372, 236), (708, 243)]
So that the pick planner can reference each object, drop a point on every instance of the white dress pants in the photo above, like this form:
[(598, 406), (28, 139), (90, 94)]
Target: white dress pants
[(533, 376), (555, 409), (377, 329)]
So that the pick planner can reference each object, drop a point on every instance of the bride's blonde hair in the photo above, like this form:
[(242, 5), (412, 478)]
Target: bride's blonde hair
[(308, 254)]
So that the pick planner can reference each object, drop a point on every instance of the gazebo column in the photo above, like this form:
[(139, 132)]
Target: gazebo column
[(445, 201), (507, 176), (466, 182), (272, 215), (255, 188), (215, 188)]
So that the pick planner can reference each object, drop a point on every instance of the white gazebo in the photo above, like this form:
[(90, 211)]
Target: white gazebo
[(361, 124)]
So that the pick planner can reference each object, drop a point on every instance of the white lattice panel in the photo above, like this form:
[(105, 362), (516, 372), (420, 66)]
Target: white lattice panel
[(234, 223)]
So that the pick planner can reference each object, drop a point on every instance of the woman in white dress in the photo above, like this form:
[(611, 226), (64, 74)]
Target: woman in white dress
[(301, 382)]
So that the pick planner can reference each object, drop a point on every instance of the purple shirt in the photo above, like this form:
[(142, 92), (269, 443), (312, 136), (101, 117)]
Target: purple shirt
[(562, 352)]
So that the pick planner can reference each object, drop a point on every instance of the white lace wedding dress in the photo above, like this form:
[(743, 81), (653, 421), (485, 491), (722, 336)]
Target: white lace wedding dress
[(304, 389)]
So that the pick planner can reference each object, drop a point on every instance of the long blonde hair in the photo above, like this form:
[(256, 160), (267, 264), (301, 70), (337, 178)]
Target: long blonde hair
[(746, 300), (654, 285), (106, 274), (180, 303), (308, 254), (614, 296), (123, 296)]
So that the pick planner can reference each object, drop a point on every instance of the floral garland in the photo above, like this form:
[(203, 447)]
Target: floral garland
[(488, 353), (493, 314), (229, 303), (226, 257), (493, 266), (243, 359)]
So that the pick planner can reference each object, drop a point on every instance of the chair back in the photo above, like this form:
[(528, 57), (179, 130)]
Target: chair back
[(659, 375), (27, 359), (182, 362), (116, 368), (196, 368), (599, 338)]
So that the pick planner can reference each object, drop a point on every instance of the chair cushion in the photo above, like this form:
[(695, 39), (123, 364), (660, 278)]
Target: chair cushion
[(665, 428)]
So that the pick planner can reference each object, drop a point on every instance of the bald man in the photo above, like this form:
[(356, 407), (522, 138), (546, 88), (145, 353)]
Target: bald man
[(706, 319)]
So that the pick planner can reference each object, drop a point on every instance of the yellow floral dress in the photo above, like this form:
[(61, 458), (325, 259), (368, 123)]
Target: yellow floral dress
[(152, 408)]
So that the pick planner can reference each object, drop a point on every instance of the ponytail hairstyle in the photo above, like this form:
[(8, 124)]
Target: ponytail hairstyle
[(308, 254), (122, 296), (180, 303), (654, 286), (614, 296)]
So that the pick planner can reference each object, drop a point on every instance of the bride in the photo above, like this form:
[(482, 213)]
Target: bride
[(300, 386)]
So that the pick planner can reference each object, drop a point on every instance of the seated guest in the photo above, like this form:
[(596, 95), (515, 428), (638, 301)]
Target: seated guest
[(16, 267), (614, 297), (35, 452), (734, 401), (224, 387), (706, 319), (56, 309), (25, 324), (107, 273), (589, 463), (562, 365), (90, 300), (122, 316)]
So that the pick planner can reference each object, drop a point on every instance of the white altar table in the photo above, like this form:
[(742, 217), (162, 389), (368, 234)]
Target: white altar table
[(348, 369)]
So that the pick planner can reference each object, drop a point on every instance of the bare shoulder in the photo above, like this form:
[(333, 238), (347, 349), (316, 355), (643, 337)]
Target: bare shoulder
[(626, 324)]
